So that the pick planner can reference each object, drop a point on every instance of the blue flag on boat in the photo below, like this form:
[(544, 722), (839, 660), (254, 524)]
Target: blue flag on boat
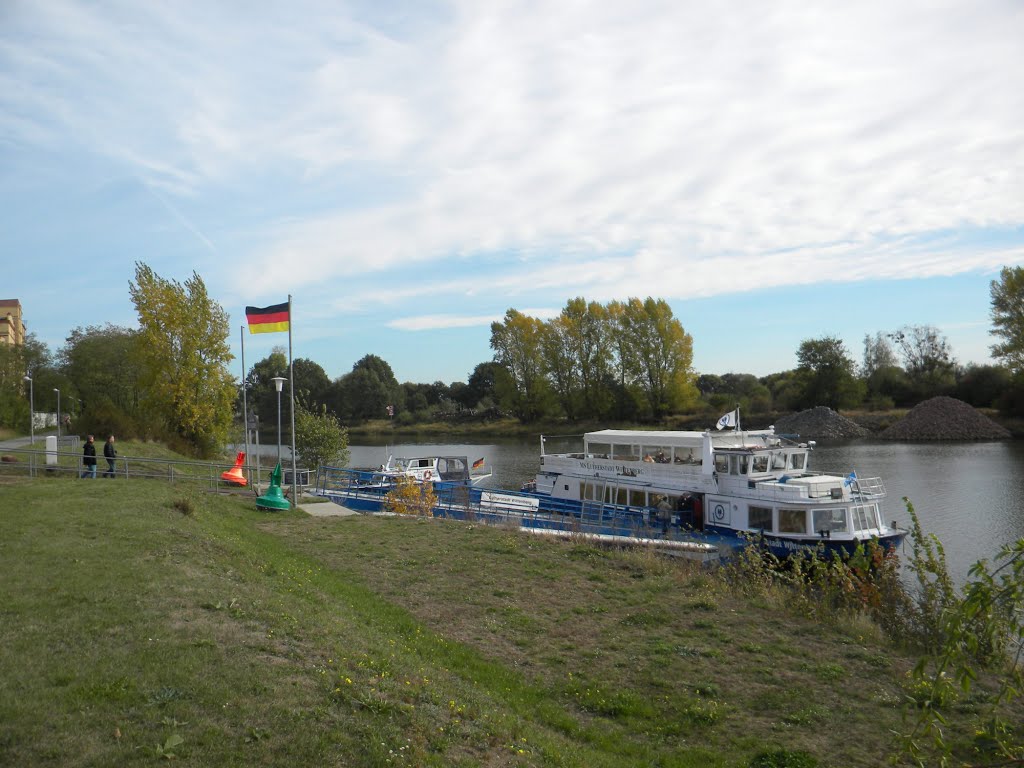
[(850, 478)]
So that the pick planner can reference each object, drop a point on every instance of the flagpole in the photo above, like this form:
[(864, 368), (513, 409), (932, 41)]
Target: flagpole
[(291, 388), (245, 405)]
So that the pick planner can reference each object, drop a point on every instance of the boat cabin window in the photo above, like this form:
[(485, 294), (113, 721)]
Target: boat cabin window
[(599, 450), (686, 456), (760, 518), (864, 517), (625, 453), (618, 496), (637, 499), (658, 454), (740, 464), (792, 521), (831, 520), (760, 463), (779, 460), (721, 463), (798, 460)]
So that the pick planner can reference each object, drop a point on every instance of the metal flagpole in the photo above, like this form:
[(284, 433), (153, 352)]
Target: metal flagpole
[(245, 409), (291, 389)]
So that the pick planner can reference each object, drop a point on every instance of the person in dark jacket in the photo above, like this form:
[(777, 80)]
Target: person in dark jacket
[(110, 454), (89, 459)]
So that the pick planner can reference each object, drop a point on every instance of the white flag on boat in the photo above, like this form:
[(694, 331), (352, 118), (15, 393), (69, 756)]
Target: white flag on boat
[(729, 420)]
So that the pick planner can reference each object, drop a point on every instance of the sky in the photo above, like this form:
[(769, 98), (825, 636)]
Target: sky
[(409, 171)]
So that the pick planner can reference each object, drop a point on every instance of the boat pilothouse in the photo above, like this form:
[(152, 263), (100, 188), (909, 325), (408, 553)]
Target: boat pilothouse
[(436, 470), (732, 483)]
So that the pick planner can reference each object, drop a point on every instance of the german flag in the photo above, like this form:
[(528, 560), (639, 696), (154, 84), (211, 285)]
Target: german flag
[(267, 319), (478, 463)]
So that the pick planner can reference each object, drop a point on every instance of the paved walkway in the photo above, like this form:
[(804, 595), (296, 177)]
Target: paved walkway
[(325, 509), (22, 442)]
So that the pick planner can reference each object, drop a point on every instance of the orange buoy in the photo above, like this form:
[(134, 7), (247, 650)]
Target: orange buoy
[(235, 475)]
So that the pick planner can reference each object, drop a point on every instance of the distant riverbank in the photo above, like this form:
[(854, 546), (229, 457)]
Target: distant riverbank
[(874, 422)]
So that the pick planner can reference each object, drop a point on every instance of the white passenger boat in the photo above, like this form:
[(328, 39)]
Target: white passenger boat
[(695, 489), (732, 483)]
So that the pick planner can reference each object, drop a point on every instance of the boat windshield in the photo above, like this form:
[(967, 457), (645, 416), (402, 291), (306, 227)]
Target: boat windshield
[(831, 520)]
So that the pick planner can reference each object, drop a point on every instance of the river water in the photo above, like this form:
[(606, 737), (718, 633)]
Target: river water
[(970, 495)]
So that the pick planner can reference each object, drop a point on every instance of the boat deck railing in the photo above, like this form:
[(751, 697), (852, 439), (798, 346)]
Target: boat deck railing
[(366, 491), (864, 488)]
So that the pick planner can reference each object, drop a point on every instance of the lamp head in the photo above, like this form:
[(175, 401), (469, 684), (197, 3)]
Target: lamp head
[(278, 382)]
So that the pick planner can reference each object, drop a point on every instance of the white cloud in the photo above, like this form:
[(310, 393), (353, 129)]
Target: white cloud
[(510, 152)]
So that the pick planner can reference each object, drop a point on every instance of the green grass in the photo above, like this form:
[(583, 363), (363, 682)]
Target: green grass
[(141, 621)]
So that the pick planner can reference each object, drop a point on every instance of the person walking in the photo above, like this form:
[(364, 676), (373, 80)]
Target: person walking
[(664, 514), (109, 453), (89, 459)]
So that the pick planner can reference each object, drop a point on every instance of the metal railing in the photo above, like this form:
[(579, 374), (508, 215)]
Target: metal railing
[(42, 463)]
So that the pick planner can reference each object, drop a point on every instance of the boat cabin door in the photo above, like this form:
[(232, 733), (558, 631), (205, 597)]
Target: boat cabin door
[(592, 497)]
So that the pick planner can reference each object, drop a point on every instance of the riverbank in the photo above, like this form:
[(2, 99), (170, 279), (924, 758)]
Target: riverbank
[(874, 422), (145, 621)]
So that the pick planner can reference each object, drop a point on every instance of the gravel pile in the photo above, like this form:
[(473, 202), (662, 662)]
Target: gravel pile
[(944, 418), (817, 423)]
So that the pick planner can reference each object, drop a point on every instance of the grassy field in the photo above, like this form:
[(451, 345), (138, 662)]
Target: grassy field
[(142, 620)]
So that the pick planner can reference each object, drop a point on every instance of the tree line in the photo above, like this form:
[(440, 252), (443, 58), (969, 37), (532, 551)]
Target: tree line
[(621, 361)]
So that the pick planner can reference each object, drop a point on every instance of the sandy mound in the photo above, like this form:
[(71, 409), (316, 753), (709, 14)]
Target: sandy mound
[(944, 418)]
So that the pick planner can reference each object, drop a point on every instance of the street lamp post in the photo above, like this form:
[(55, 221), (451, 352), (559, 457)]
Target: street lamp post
[(31, 411), (278, 384), (58, 417)]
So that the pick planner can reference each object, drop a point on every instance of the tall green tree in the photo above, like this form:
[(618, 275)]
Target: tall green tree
[(658, 356), (826, 373), (262, 393), (927, 358), (104, 364), (878, 354), (366, 391), (480, 387), (1008, 318), (319, 438), (184, 355), (517, 347), (562, 364), (588, 330)]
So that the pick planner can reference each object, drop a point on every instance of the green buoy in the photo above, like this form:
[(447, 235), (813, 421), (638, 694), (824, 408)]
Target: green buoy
[(273, 498)]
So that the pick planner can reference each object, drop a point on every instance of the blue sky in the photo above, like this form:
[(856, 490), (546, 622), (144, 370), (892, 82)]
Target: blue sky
[(775, 171)]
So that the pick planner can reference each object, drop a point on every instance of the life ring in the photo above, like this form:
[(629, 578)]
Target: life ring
[(427, 475)]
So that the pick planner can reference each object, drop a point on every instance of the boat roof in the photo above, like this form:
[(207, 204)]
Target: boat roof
[(660, 437)]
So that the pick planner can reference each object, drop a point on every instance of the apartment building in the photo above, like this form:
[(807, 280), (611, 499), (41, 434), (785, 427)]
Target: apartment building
[(12, 324)]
